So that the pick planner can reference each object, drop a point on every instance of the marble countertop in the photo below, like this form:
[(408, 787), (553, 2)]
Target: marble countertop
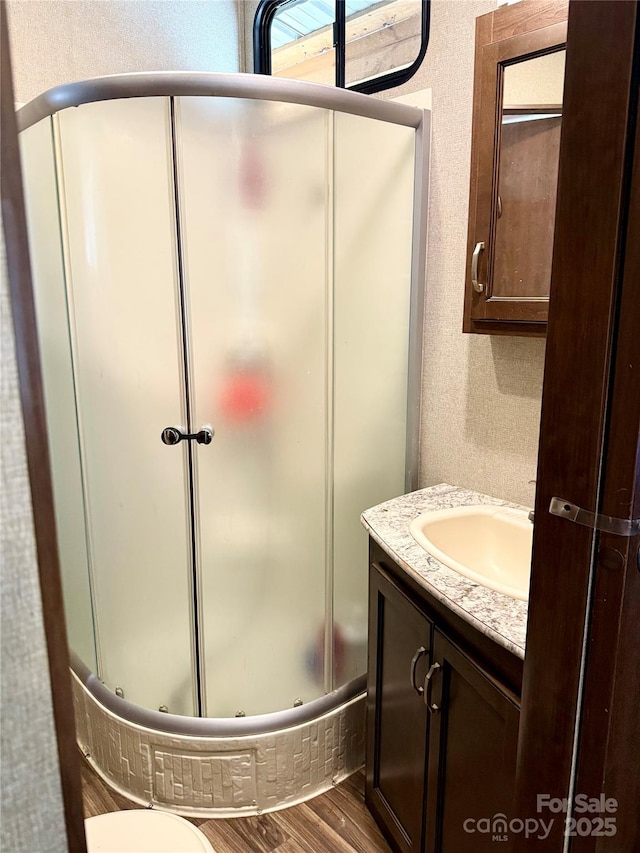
[(500, 617)]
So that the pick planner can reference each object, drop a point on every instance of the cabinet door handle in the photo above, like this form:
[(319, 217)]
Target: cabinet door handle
[(478, 286), (428, 682), (412, 671)]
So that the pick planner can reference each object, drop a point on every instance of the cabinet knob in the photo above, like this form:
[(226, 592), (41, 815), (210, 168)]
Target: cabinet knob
[(412, 670), (428, 684)]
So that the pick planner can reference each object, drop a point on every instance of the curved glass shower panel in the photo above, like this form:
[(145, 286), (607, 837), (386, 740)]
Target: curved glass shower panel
[(374, 187), (45, 243), (254, 198), (118, 206), (245, 265)]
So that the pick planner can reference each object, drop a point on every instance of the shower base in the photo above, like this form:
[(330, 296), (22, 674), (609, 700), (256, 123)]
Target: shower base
[(153, 760)]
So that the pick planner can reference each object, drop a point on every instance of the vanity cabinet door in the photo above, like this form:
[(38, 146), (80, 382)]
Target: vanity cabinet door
[(517, 114), (399, 658), (473, 738)]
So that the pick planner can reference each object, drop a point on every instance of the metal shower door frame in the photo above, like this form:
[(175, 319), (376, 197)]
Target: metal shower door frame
[(256, 87)]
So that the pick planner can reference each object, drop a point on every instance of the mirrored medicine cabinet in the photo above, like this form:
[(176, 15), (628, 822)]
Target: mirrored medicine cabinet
[(517, 117)]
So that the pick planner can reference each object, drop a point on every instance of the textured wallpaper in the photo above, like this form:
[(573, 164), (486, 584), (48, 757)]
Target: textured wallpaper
[(32, 813), (57, 41), (481, 395)]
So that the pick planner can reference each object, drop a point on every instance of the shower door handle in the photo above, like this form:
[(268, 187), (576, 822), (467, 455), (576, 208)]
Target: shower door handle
[(174, 435)]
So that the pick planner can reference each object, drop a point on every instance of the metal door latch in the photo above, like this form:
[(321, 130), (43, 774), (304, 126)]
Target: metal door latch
[(604, 523), (174, 435)]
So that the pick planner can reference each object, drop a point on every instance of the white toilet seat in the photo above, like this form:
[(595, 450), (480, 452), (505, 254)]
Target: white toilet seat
[(144, 831)]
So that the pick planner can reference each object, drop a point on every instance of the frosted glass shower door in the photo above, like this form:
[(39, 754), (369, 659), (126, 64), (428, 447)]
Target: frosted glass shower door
[(373, 225), (54, 339), (118, 210), (254, 201)]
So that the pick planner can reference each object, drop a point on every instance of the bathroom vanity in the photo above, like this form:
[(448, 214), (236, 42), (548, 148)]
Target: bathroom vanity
[(445, 677)]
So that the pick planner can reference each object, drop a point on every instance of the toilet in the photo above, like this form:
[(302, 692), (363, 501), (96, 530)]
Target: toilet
[(144, 831)]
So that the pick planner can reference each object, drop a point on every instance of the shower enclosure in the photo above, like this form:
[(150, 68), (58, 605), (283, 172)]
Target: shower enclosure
[(228, 277)]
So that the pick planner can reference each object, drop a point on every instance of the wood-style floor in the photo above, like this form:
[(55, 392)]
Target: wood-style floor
[(334, 822)]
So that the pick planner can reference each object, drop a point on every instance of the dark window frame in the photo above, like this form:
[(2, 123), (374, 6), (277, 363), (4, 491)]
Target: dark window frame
[(262, 50)]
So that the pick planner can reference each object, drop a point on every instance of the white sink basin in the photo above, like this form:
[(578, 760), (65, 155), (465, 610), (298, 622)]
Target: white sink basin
[(488, 544)]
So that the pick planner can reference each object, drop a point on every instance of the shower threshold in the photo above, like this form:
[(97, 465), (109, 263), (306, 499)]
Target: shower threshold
[(208, 767)]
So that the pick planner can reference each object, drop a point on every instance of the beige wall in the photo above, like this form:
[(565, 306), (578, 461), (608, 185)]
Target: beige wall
[(57, 41), (248, 10), (480, 394)]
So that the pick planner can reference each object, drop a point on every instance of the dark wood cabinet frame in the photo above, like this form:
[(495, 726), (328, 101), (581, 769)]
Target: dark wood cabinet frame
[(528, 29)]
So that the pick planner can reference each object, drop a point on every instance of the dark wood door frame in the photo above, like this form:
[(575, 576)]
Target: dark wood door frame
[(608, 750), (580, 707), (32, 399)]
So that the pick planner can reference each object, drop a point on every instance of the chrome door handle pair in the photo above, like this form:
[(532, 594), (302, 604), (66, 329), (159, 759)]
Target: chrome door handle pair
[(428, 680), (174, 435)]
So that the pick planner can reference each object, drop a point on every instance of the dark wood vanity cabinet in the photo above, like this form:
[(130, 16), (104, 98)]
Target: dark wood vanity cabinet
[(400, 639), (473, 739), (442, 731)]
